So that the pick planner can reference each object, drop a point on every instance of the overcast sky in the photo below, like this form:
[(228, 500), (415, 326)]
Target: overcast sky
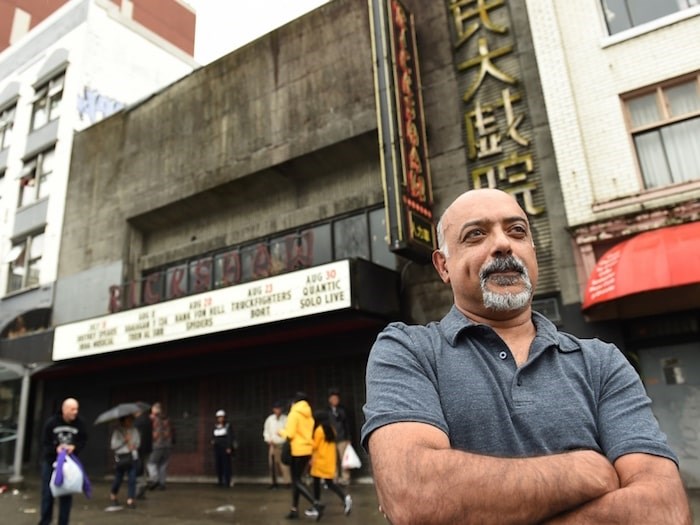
[(224, 25)]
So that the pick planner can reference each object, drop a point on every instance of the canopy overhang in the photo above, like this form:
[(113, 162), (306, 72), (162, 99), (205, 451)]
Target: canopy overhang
[(654, 272)]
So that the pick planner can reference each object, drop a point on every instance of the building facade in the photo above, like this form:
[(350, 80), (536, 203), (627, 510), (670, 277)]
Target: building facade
[(247, 239), (77, 65), (624, 113), (246, 232)]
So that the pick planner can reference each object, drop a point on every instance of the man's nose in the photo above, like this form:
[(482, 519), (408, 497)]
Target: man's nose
[(501, 242)]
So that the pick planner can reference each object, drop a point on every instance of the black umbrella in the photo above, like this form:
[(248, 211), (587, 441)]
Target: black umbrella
[(121, 410)]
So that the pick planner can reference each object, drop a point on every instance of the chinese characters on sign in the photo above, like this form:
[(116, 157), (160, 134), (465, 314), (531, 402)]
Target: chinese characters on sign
[(403, 146), (498, 146)]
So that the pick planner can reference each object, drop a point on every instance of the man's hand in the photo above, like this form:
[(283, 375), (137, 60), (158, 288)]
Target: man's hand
[(68, 448)]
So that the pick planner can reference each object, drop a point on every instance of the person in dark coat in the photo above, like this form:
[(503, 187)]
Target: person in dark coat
[(143, 424), (63, 431), (341, 419), (222, 441)]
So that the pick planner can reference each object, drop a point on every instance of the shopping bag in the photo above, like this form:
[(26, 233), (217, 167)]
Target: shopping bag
[(72, 482), (350, 458)]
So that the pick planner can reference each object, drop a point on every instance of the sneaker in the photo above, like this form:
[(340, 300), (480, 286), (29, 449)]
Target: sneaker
[(131, 505), (348, 505), (293, 515), (311, 513), (319, 507)]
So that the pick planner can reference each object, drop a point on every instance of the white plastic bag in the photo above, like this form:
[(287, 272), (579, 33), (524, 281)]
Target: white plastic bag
[(350, 458), (72, 479)]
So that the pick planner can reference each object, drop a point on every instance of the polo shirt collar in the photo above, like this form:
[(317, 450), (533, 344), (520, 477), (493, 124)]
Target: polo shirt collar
[(455, 322)]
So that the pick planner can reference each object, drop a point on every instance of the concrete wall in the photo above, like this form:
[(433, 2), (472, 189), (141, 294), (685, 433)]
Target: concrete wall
[(279, 133)]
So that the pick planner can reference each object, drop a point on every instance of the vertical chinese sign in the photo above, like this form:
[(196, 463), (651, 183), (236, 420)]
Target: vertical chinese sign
[(402, 142), (498, 134)]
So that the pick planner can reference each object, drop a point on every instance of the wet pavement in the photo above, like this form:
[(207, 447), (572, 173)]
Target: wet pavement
[(190, 504)]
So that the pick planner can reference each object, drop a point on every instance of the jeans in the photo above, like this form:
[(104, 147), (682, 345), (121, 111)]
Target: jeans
[(157, 466), (64, 502), (222, 460), (298, 467), (131, 480)]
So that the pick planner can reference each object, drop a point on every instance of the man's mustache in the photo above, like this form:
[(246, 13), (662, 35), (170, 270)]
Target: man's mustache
[(507, 263)]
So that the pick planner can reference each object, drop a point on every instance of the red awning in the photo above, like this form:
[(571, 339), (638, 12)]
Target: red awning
[(654, 272)]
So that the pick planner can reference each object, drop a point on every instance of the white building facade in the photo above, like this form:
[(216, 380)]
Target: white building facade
[(84, 62), (621, 82)]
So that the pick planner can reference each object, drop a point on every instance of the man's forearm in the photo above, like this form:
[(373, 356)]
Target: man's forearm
[(655, 494), (427, 485)]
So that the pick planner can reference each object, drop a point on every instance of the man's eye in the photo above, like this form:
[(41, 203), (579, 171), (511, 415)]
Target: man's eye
[(473, 234)]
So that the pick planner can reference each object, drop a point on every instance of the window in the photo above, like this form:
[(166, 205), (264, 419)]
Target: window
[(380, 247), (7, 120), (34, 182), (46, 102), (665, 126), (351, 238), (624, 14), (24, 259)]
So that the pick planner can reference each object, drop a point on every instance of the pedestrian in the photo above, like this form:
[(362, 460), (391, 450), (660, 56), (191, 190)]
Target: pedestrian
[(299, 430), (271, 435), (492, 415), (340, 419), (125, 444), (162, 443), (142, 423), (324, 462), (61, 432), (222, 441)]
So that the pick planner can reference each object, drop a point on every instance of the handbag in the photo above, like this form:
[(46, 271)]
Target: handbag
[(350, 458), (286, 452), (69, 480), (124, 461)]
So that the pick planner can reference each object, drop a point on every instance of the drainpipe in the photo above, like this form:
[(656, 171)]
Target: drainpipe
[(17, 477)]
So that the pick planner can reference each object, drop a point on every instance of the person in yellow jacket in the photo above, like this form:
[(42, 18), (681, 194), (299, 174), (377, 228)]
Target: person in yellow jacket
[(299, 430), (324, 462)]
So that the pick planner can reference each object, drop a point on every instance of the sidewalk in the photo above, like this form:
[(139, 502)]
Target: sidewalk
[(201, 504), (191, 504)]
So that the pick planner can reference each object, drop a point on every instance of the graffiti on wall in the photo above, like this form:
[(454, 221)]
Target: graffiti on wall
[(93, 106)]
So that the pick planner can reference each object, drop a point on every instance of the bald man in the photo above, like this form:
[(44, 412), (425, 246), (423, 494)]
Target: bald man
[(492, 415), (63, 431)]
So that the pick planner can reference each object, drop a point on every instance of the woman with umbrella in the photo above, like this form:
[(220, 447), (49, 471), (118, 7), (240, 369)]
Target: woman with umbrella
[(125, 443)]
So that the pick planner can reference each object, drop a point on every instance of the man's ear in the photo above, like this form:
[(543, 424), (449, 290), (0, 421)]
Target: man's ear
[(440, 263)]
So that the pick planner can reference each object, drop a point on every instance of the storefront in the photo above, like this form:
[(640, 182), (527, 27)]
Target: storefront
[(302, 152), (649, 285), (239, 348)]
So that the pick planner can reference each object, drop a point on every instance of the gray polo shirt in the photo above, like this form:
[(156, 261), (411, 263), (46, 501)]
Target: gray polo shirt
[(461, 378)]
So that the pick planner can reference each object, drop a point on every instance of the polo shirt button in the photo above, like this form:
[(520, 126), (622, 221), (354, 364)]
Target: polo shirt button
[(503, 355)]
